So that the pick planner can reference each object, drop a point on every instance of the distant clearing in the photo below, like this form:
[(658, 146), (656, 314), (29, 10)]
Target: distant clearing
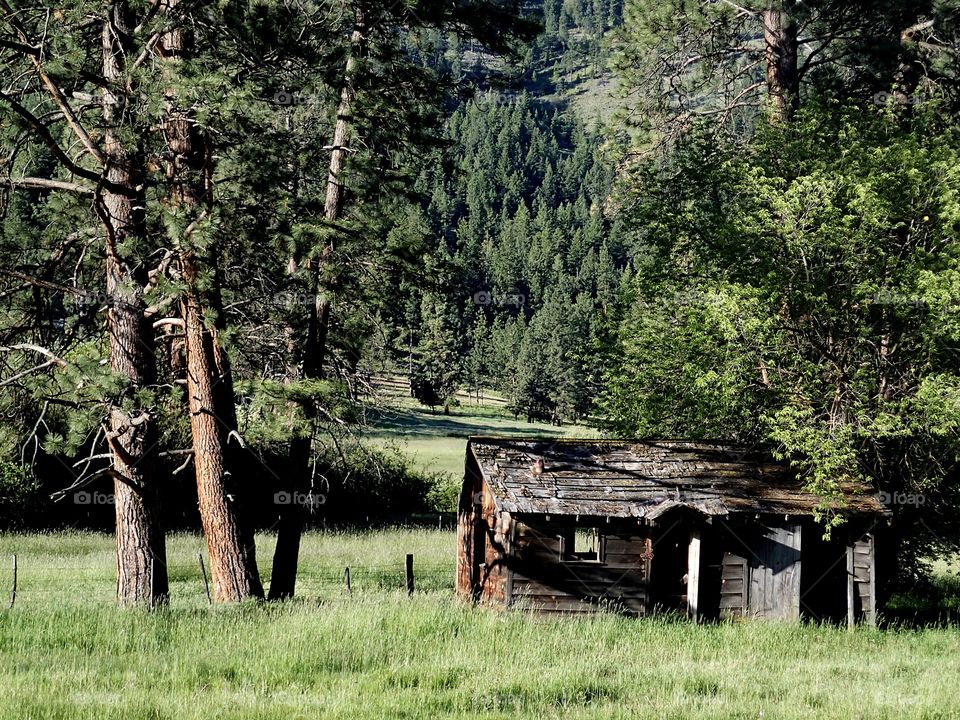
[(436, 442)]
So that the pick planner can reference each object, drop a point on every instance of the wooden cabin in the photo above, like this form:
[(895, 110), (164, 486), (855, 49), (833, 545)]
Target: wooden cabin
[(708, 530)]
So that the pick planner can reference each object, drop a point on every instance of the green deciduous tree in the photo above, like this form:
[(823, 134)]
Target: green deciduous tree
[(802, 292)]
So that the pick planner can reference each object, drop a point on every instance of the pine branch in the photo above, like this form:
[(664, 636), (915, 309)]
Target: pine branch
[(46, 184), (44, 134), (24, 48), (30, 371), (73, 122), (59, 98), (45, 284), (55, 359)]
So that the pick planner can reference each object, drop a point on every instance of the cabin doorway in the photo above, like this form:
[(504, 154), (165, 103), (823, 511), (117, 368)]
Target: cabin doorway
[(668, 567)]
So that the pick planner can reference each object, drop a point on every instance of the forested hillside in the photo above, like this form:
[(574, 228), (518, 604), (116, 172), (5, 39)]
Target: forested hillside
[(527, 260)]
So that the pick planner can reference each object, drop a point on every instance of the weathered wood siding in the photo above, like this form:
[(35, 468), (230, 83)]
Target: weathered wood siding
[(775, 572), (760, 570), (483, 541), (861, 580), (465, 530), (734, 583), (493, 530), (541, 580)]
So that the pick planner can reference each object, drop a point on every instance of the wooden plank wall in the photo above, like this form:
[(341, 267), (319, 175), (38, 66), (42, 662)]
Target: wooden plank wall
[(493, 530), (541, 581), (734, 583), (759, 571), (775, 572), (861, 580), (465, 580)]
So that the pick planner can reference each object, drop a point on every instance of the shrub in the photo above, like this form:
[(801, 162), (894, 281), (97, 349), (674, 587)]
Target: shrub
[(19, 495)]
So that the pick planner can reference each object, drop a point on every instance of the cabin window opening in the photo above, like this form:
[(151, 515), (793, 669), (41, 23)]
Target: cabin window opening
[(581, 545)]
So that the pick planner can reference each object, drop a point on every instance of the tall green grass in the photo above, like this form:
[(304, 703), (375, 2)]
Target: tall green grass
[(79, 568), (380, 654)]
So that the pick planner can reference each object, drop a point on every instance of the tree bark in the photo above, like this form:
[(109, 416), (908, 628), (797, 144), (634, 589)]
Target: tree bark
[(133, 435), (290, 525), (233, 564), (780, 52), (213, 422)]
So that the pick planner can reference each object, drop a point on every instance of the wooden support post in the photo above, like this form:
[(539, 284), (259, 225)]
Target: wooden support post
[(789, 576), (13, 590), (871, 610), (346, 579), (203, 573), (851, 610), (409, 574), (693, 575)]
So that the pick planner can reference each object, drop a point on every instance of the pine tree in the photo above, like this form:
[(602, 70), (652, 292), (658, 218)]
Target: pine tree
[(436, 359), (110, 169)]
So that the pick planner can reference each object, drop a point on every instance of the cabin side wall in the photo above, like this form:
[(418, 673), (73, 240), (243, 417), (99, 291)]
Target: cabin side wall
[(493, 530), (543, 580), (466, 521)]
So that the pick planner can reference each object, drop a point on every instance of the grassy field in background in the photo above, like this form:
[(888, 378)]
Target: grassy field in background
[(66, 652), (76, 567), (436, 442)]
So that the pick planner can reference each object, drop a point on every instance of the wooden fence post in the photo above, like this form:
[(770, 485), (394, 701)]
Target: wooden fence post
[(409, 573), (346, 578), (13, 591), (203, 572)]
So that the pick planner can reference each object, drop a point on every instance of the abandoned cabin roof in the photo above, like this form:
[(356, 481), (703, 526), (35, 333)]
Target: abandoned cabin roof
[(646, 478)]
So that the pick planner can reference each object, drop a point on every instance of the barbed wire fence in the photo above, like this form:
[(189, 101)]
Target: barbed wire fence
[(87, 582)]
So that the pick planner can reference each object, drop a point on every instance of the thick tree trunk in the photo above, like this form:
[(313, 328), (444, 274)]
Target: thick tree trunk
[(133, 436), (290, 527), (213, 423), (780, 51), (233, 564), (283, 578)]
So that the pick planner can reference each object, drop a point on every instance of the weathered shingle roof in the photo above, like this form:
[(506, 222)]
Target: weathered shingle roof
[(644, 479)]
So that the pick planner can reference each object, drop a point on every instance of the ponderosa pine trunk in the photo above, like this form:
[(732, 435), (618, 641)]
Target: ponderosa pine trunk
[(133, 435), (780, 53), (233, 565), (213, 424), (283, 578)]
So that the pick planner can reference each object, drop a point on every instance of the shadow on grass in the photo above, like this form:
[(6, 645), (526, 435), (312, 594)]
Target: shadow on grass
[(421, 423), (936, 604)]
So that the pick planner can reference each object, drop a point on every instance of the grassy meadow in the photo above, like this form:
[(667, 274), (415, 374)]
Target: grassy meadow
[(436, 442), (66, 652)]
